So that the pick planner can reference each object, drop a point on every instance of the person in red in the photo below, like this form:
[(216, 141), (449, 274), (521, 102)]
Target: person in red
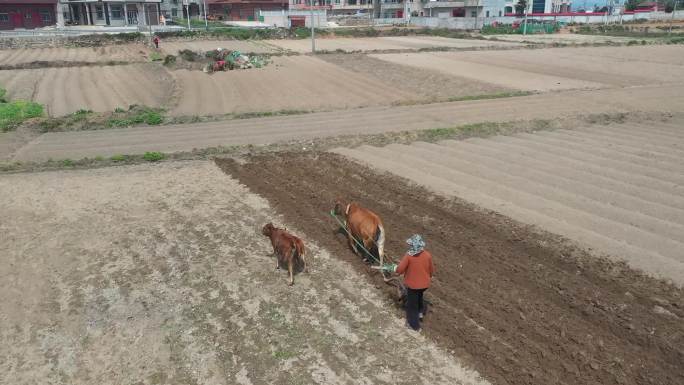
[(417, 268), (156, 41)]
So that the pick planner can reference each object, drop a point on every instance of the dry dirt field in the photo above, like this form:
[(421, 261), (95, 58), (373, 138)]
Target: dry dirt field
[(244, 46), (521, 305), (157, 274), (555, 68), (97, 88), (385, 43), (124, 52), (289, 83), (616, 188), (340, 81)]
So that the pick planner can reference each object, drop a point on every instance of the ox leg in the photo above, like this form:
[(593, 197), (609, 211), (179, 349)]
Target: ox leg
[(290, 268), (306, 267), (352, 243), (277, 261)]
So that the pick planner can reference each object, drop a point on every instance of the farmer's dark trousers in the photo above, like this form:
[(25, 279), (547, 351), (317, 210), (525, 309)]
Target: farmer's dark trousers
[(414, 305)]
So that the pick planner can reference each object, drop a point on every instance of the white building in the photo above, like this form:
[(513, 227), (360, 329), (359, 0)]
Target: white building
[(117, 13)]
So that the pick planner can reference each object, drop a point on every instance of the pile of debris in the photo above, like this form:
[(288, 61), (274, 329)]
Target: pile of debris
[(227, 60)]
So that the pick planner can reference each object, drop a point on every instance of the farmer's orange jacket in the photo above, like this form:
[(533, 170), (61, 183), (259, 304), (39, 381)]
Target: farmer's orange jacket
[(417, 270)]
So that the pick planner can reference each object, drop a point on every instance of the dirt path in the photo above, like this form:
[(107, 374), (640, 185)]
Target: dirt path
[(523, 305), (618, 189), (384, 43), (158, 275), (124, 52), (348, 122)]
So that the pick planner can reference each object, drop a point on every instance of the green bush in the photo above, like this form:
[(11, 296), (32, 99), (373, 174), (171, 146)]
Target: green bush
[(3, 93), (153, 156), (14, 113), (188, 55), (169, 59), (118, 158)]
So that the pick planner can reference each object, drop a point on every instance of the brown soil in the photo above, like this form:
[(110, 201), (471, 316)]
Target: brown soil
[(523, 306)]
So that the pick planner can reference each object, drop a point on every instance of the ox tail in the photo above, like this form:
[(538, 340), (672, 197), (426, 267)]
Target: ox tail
[(380, 242)]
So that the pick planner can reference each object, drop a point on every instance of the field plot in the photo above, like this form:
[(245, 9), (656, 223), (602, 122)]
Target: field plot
[(66, 90), (244, 46), (385, 43), (452, 63), (159, 275), (425, 84), (617, 189), (524, 306), (616, 66), (127, 53), (294, 82)]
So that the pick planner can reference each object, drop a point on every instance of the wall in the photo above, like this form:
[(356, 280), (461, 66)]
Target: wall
[(29, 16), (282, 18)]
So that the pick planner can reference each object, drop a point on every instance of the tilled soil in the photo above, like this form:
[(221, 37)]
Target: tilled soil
[(522, 305)]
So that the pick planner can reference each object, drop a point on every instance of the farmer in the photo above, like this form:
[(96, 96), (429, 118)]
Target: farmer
[(156, 41), (417, 268)]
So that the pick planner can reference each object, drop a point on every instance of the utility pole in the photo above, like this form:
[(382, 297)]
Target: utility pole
[(206, 23), (669, 32), (525, 22), (187, 11), (313, 38)]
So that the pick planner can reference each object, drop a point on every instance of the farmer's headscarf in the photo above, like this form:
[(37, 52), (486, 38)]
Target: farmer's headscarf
[(416, 244)]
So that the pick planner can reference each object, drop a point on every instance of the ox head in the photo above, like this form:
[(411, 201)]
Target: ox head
[(268, 229), (340, 208)]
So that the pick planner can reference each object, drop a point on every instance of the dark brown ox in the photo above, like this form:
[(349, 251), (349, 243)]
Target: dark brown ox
[(287, 248), (364, 226)]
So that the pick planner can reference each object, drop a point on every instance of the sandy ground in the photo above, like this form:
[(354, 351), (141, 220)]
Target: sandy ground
[(289, 83), (616, 66), (66, 90), (523, 306), (371, 120), (384, 43), (452, 63), (126, 52), (157, 274), (617, 189), (564, 38), (245, 46), (426, 84)]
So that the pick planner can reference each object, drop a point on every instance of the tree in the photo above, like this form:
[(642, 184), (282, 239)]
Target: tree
[(631, 5), (520, 7)]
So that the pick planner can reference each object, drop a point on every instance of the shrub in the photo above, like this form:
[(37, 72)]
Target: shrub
[(118, 158), (14, 113), (153, 156), (188, 55), (169, 59)]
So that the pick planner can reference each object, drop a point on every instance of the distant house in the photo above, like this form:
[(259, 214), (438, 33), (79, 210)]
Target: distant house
[(650, 6), (243, 9), (116, 13), (27, 14)]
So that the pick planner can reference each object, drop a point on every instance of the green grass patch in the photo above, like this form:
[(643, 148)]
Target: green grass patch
[(499, 95), (284, 354), (153, 156), (136, 115), (14, 113), (156, 56)]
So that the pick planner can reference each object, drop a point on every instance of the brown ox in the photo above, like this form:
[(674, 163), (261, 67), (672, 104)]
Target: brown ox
[(364, 226), (287, 248)]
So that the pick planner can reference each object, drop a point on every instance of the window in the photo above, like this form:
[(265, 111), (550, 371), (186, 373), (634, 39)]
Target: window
[(337, 1), (174, 12), (499, 13), (28, 15), (487, 14), (116, 11), (45, 15), (351, 2), (99, 10), (473, 13), (4, 17)]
